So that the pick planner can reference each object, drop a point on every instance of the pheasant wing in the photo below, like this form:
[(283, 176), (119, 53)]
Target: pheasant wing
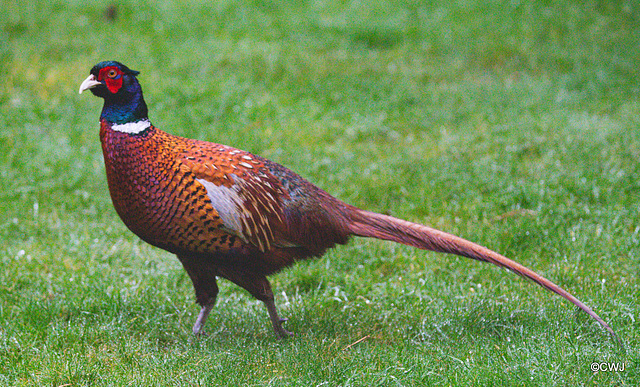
[(246, 196)]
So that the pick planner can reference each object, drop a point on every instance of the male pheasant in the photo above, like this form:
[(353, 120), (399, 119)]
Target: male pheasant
[(229, 213)]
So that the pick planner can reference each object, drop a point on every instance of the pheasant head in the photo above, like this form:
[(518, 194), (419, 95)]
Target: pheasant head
[(118, 86)]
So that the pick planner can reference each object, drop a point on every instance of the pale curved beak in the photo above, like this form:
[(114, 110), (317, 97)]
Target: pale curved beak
[(89, 83)]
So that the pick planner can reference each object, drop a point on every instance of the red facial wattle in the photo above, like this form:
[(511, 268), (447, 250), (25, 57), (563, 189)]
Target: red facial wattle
[(112, 77)]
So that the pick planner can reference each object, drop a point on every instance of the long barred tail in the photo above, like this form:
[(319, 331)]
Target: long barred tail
[(370, 224)]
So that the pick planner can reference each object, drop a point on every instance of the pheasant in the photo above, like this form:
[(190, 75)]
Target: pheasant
[(229, 213)]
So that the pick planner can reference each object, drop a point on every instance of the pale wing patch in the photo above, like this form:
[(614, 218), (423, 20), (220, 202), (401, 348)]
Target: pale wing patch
[(229, 205)]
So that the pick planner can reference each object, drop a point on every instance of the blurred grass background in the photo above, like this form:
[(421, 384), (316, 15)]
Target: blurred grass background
[(513, 124)]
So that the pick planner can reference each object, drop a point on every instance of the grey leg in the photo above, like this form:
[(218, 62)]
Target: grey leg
[(260, 288), (205, 286), (202, 318), (276, 321)]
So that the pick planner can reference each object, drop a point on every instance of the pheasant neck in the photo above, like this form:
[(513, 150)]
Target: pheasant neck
[(128, 111)]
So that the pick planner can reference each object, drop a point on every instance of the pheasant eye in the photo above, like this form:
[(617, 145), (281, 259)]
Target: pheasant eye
[(112, 73)]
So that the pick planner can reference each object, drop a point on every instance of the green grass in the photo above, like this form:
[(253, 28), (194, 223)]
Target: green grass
[(513, 124)]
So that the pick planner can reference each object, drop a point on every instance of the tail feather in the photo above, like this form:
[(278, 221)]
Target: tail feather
[(371, 224)]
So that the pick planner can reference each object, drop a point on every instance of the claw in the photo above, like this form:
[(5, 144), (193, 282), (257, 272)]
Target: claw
[(280, 331)]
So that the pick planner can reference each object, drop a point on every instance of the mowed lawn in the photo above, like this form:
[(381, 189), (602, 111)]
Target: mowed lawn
[(515, 124)]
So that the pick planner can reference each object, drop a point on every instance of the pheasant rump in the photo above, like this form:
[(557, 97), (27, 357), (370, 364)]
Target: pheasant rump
[(228, 213)]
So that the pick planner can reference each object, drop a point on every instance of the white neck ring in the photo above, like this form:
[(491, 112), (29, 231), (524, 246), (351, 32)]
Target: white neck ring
[(132, 127)]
